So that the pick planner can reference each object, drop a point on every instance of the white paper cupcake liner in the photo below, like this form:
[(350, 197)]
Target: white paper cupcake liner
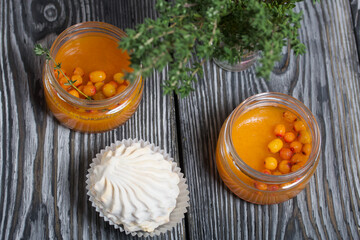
[(182, 201)]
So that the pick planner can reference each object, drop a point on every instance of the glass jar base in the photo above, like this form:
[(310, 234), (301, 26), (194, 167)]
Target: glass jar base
[(247, 61)]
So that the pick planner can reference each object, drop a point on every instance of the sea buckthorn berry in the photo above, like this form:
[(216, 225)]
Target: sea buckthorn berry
[(273, 187), (270, 163), (114, 84), (99, 96), (99, 85), (296, 146), (289, 116), (260, 186), (286, 153), (66, 87), (77, 79), (119, 77), (279, 130), (298, 157), (62, 80), (78, 71), (277, 173), (289, 137), (58, 73), (275, 145), (64, 83), (284, 166), (306, 149), (127, 82), (266, 171), (89, 90), (109, 90), (120, 89), (299, 125), (304, 137), (74, 93), (97, 76), (297, 166), (81, 88)]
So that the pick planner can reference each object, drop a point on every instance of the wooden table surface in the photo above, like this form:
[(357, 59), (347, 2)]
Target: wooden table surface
[(43, 164)]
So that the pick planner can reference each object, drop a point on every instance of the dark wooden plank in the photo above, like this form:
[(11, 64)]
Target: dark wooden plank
[(42, 164), (326, 79), (355, 10)]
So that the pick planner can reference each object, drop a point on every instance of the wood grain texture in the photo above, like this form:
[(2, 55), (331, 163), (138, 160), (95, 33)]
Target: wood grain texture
[(326, 79), (355, 10), (43, 165)]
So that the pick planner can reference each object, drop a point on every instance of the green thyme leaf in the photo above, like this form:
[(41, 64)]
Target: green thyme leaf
[(222, 29)]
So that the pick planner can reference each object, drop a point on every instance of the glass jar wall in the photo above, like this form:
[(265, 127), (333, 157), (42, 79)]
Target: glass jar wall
[(241, 179)]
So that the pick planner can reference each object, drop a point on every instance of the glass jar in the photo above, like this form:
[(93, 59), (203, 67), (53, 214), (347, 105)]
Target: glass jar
[(239, 177), (82, 114), (246, 62)]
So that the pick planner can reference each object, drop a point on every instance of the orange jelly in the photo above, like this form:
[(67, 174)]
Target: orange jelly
[(90, 47), (93, 53), (253, 131), (266, 153)]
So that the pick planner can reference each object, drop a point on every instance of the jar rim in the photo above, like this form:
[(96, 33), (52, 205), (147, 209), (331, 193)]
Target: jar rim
[(281, 100), (81, 28)]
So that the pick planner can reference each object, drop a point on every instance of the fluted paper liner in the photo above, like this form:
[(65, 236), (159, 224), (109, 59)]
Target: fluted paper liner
[(182, 201)]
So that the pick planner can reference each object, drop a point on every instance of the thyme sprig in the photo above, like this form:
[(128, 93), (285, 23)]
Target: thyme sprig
[(222, 29), (40, 51)]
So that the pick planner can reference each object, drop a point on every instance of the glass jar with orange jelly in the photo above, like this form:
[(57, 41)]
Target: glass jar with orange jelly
[(268, 148), (90, 57)]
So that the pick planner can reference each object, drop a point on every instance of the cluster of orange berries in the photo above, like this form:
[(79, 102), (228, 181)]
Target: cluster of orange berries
[(94, 85), (292, 147)]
